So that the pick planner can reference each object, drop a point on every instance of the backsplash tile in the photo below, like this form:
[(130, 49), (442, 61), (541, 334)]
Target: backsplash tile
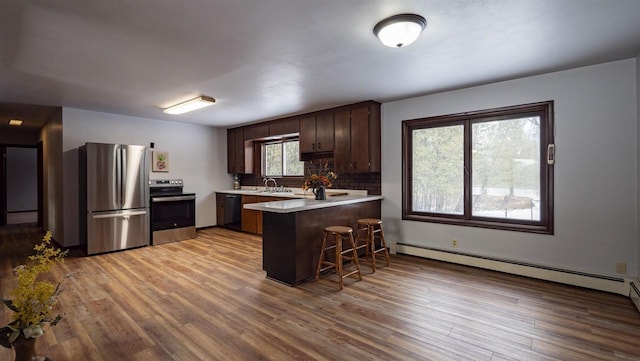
[(371, 182)]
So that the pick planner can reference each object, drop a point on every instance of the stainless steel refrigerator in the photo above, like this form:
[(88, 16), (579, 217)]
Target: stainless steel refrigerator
[(114, 181)]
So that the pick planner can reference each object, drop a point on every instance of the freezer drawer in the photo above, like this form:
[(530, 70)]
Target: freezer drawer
[(117, 230)]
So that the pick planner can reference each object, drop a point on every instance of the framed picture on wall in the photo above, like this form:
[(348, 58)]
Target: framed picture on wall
[(159, 161)]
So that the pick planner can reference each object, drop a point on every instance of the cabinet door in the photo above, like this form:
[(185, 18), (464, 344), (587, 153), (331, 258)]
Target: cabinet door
[(256, 131), (375, 138), (230, 151), (220, 210), (235, 151), (308, 135), (249, 216), (239, 153), (360, 150), (324, 133), (342, 147), (284, 127)]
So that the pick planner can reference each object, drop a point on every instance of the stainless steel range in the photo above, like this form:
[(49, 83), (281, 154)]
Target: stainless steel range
[(173, 212)]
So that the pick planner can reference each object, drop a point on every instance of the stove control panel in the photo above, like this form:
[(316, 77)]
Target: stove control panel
[(165, 182)]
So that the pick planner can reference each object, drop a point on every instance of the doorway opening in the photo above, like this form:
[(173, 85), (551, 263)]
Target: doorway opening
[(20, 199)]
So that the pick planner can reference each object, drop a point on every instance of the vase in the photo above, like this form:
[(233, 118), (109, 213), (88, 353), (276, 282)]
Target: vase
[(319, 193), (25, 350)]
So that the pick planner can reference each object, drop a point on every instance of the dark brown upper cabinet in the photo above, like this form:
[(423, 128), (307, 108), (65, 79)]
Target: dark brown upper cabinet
[(284, 127), (316, 136), (256, 131), (358, 138), (239, 152), (277, 129), (349, 134)]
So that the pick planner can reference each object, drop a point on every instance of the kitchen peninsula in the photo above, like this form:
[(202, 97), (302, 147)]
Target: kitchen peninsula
[(293, 231)]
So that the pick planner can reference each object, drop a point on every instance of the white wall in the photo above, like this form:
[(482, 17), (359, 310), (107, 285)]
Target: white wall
[(638, 148), (596, 172), (197, 154)]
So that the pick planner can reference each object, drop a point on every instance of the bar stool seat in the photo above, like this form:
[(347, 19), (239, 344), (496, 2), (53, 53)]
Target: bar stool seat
[(370, 237), (339, 233)]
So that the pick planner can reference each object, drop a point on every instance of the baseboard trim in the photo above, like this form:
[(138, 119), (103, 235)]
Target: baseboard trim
[(206, 227), (597, 282)]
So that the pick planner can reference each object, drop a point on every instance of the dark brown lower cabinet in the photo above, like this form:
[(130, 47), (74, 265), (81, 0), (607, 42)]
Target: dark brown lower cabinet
[(220, 209)]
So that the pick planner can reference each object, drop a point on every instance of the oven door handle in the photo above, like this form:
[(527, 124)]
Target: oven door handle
[(173, 199)]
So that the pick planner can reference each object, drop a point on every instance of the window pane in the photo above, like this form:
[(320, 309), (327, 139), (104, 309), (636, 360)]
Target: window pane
[(506, 169), (273, 159), (438, 170), (292, 164)]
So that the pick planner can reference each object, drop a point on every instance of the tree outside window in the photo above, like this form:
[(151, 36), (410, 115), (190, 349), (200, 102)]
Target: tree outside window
[(282, 159)]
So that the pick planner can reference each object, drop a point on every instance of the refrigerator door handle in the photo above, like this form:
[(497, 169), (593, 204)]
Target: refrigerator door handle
[(120, 169), (119, 215)]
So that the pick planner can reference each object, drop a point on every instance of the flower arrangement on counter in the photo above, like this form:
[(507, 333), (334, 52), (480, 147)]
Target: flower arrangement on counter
[(322, 178), (33, 297)]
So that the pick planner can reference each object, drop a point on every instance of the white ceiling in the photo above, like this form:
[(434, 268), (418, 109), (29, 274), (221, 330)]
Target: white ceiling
[(264, 59)]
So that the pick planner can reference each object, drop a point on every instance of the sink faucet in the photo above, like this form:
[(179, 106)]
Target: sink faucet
[(266, 183)]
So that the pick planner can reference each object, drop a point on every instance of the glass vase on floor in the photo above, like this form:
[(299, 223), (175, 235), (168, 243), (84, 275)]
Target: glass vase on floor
[(25, 350)]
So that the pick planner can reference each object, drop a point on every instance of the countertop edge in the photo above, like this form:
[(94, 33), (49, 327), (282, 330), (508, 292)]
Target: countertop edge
[(305, 204), (293, 193)]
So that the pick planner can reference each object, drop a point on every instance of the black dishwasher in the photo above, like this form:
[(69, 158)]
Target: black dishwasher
[(232, 211)]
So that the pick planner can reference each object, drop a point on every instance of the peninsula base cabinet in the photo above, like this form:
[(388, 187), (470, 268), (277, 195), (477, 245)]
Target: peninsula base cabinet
[(291, 242), (251, 219)]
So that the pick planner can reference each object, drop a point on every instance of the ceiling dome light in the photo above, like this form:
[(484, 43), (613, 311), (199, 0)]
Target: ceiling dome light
[(400, 30)]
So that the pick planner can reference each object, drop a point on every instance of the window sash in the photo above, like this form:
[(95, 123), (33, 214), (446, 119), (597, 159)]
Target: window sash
[(275, 162), (542, 223)]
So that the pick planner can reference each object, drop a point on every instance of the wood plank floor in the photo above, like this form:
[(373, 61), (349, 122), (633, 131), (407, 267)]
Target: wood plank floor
[(208, 299)]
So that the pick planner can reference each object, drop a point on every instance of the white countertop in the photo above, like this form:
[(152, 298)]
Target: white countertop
[(261, 192), (294, 192), (305, 204)]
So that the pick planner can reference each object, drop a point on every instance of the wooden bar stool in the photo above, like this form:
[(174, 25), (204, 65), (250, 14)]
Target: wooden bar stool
[(338, 233), (370, 230)]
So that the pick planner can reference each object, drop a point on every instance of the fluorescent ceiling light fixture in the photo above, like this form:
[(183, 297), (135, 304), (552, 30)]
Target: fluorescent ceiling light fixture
[(190, 105), (15, 122), (400, 30)]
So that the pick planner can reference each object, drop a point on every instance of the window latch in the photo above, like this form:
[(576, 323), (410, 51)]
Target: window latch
[(551, 154)]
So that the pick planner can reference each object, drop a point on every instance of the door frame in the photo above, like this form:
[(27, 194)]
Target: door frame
[(3, 185), (40, 175)]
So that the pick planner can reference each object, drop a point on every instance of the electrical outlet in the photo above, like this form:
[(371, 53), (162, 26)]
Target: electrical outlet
[(454, 243), (621, 267)]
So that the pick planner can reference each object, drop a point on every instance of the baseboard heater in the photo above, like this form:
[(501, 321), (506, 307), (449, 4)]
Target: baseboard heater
[(598, 282)]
